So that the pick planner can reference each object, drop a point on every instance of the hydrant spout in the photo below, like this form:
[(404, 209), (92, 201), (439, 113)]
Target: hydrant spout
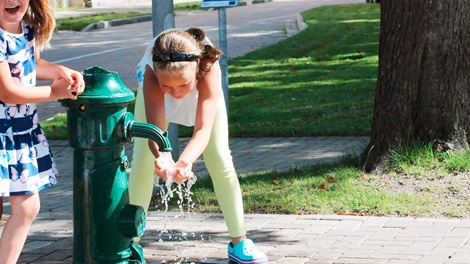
[(145, 130)]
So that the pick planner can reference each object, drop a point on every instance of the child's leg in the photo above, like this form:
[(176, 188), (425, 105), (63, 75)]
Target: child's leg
[(142, 166), (224, 177), (24, 209)]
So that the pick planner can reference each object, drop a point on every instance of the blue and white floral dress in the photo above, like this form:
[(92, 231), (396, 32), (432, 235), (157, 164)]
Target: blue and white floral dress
[(26, 163)]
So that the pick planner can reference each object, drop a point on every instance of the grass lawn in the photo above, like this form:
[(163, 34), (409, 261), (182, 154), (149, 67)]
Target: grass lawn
[(319, 82)]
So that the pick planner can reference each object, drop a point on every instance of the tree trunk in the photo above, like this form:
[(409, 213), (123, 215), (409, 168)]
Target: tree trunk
[(423, 87)]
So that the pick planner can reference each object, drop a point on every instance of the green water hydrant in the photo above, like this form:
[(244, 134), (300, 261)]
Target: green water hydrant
[(99, 127)]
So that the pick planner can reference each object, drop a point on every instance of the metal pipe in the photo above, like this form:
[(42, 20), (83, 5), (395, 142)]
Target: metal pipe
[(145, 130)]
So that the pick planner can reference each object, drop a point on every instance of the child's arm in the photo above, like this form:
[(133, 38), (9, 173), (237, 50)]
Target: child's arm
[(209, 89), (66, 84), (155, 114), (15, 93), (49, 71), (154, 105)]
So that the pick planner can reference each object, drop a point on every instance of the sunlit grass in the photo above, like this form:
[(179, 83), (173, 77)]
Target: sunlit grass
[(419, 159), (318, 82), (56, 128), (336, 188)]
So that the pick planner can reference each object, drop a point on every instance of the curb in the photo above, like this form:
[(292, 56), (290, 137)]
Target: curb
[(118, 22), (301, 25)]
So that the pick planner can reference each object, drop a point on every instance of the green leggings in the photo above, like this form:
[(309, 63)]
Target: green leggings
[(218, 161)]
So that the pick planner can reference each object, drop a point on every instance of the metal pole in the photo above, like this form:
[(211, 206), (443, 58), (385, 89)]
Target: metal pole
[(163, 17), (223, 46)]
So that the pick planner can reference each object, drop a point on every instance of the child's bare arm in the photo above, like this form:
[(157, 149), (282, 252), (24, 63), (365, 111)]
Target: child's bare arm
[(13, 92)]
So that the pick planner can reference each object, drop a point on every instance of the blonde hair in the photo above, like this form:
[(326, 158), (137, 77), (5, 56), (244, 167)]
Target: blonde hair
[(189, 42), (41, 18)]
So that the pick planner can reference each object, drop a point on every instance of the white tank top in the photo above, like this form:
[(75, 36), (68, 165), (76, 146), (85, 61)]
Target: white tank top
[(179, 111)]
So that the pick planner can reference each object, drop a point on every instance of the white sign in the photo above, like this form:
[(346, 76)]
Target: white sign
[(218, 3)]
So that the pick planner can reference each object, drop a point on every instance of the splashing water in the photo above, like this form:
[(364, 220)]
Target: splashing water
[(169, 190), (182, 190)]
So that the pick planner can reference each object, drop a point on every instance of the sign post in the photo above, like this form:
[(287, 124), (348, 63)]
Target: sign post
[(221, 8)]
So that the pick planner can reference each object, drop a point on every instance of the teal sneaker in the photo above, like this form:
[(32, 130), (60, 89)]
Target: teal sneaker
[(245, 252)]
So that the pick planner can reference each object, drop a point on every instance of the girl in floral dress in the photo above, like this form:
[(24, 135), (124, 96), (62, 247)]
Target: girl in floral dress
[(26, 164)]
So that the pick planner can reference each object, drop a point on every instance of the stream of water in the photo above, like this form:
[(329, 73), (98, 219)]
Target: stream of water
[(181, 191)]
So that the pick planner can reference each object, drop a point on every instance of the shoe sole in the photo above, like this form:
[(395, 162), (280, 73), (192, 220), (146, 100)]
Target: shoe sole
[(236, 260)]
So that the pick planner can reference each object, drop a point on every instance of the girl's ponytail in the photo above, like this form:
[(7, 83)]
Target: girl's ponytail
[(210, 54), (197, 34)]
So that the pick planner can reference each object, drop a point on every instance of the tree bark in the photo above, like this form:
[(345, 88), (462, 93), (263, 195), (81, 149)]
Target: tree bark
[(423, 86)]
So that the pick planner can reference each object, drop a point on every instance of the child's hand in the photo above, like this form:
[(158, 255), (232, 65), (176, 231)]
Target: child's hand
[(183, 171), (162, 166), (75, 79), (78, 83), (180, 171), (62, 89)]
